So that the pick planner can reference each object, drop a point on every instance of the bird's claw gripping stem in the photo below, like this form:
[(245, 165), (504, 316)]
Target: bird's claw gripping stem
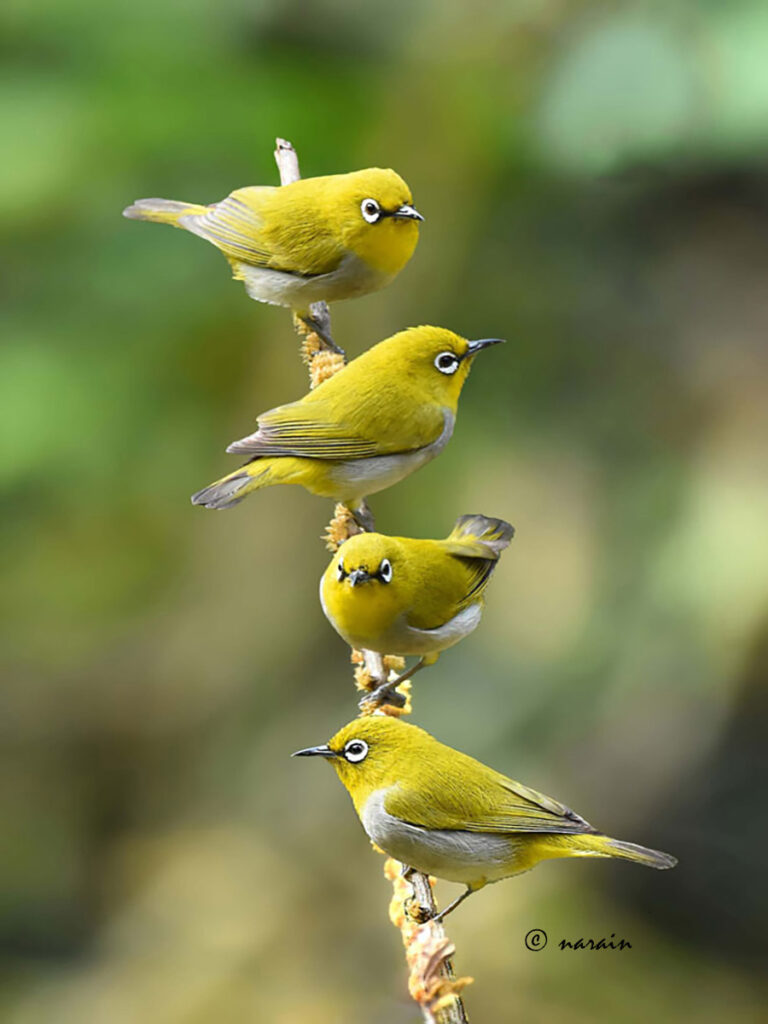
[(364, 517), (319, 321), (387, 693)]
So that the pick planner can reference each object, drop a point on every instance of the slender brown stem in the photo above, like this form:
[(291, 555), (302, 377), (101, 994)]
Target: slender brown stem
[(432, 982), (428, 951), (287, 161)]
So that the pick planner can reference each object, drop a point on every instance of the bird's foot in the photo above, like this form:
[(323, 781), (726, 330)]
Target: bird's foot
[(364, 517), (387, 693), (417, 911), (321, 326), (438, 918)]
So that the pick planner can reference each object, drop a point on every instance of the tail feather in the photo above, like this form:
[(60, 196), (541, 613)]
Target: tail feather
[(231, 489), (225, 493), (254, 475), (640, 854), (596, 845), (162, 211), (478, 536)]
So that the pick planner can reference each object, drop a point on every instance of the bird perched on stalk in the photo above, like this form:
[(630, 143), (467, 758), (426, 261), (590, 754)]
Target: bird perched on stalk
[(441, 812), (397, 595), (325, 238), (379, 418)]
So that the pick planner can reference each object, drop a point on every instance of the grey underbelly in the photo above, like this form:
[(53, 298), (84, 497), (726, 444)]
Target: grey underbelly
[(366, 476), (357, 478), (467, 857), (352, 277)]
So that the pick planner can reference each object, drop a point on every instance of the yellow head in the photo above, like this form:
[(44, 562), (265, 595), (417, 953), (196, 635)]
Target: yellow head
[(431, 363), (367, 585), (373, 753), (373, 213)]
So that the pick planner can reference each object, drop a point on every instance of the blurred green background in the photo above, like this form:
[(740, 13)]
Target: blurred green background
[(594, 179)]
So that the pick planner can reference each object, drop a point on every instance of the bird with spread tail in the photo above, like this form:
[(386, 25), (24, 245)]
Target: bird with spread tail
[(324, 238), (381, 417), (398, 595), (441, 812)]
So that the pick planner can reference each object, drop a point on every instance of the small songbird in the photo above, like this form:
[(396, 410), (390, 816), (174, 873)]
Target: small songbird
[(397, 595), (326, 238), (441, 812), (379, 418)]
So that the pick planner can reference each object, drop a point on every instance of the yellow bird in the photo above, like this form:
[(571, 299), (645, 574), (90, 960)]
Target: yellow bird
[(381, 417), (439, 811), (326, 238), (397, 595)]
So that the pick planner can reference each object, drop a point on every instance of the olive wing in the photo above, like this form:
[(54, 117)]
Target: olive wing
[(257, 226), (466, 796), (331, 430)]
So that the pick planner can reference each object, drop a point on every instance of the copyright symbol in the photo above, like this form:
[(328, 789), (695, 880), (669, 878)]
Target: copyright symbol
[(536, 939)]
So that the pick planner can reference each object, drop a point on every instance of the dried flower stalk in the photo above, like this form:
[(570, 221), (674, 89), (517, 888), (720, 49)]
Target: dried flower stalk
[(431, 980), (314, 348)]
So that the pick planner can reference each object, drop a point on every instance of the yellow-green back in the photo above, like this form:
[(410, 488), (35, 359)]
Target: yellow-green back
[(398, 376), (308, 226), (436, 787), (391, 399)]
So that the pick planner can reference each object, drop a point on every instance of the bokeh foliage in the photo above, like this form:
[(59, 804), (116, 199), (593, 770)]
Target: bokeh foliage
[(594, 179)]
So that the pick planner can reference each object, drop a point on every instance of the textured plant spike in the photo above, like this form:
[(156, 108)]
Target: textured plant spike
[(321, 361), (287, 161), (404, 688), (324, 365), (366, 681), (431, 981), (341, 528)]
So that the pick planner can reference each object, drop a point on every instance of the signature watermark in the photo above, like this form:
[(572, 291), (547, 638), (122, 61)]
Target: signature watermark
[(536, 939)]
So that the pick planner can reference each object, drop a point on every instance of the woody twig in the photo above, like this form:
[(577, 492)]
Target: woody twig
[(428, 951)]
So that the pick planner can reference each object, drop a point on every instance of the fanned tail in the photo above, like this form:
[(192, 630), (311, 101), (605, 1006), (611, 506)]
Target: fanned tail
[(480, 536), (163, 211)]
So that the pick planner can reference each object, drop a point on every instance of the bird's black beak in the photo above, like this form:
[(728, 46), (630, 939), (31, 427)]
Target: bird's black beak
[(324, 751), (477, 346), (358, 576), (407, 212)]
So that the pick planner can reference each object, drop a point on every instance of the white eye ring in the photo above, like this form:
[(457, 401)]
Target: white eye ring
[(340, 573), (447, 362), (385, 571), (370, 210), (355, 751)]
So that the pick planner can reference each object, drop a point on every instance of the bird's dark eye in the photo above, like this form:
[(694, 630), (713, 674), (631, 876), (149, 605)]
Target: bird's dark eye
[(340, 572), (355, 751), (385, 571), (447, 362), (370, 210)]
